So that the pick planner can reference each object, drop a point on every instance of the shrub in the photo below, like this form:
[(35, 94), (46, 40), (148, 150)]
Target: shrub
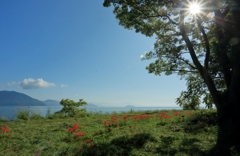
[(200, 121), (23, 114)]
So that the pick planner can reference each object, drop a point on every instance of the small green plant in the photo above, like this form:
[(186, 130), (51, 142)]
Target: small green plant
[(35, 116), (2, 119), (23, 114), (71, 108), (49, 115)]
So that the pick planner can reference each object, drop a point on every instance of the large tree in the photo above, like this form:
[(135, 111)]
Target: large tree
[(202, 47)]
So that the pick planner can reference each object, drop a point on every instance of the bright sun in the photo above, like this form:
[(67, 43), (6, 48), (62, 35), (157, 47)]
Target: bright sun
[(194, 8)]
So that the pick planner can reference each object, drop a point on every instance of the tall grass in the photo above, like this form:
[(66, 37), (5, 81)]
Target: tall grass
[(26, 114)]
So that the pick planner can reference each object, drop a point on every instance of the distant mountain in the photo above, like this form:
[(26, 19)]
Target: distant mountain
[(90, 105), (129, 106), (52, 103), (12, 98)]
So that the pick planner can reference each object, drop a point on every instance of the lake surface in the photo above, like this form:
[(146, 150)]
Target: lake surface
[(9, 112)]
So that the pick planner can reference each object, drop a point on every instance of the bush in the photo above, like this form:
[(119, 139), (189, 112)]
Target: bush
[(201, 121), (23, 114)]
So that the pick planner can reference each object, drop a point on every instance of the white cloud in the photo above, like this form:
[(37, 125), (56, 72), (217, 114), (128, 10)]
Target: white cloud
[(62, 85), (32, 84), (12, 84)]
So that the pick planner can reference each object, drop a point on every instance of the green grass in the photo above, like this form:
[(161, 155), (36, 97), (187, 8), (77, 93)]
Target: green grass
[(179, 133)]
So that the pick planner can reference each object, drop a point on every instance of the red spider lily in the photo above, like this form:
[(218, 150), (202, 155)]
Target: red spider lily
[(92, 145), (141, 116), (70, 130), (73, 129), (5, 129), (176, 113), (162, 113), (80, 134), (189, 113), (125, 117), (105, 122), (114, 119), (76, 126), (164, 116), (88, 140)]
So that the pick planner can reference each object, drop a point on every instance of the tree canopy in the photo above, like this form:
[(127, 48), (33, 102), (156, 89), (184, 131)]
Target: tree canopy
[(201, 47), (172, 23), (70, 108)]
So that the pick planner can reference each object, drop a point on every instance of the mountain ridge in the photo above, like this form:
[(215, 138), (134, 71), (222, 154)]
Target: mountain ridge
[(12, 98)]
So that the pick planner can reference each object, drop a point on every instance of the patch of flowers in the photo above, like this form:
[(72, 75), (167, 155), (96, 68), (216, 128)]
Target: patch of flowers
[(116, 124), (5, 129)]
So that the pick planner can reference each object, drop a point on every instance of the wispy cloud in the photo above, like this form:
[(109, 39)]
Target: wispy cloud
[(12, 84), (63, 85), (30, 83)]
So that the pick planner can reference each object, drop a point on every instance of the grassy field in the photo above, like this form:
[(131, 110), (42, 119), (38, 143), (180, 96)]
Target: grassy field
[(121, 134)]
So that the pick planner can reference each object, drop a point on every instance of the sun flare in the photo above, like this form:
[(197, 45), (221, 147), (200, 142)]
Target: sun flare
[(194, 8)]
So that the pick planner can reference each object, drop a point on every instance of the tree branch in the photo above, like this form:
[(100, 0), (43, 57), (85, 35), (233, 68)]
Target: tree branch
[(206, 44), (157, 15), (165, 16), (206, 77), (226, 11), (185, 61), (189, 71), (189, 44), (222, 50)]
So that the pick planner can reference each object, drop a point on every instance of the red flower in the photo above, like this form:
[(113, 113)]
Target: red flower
[(189, 113), (88, 140), (164, 116), (114, 119), (162, 113), (176, 113), (92, 145), (105, 122), (125, 117), (5, 129), (74, 128), (141, 116), (80, 134)]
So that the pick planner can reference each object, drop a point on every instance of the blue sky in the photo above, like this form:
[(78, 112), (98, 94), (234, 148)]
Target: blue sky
[(76, 49)]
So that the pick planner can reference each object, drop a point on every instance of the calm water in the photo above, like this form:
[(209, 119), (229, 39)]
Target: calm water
[(7, 112)]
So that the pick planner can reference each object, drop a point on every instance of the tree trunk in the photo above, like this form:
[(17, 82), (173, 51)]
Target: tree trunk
[(228, 139), (229, 111)]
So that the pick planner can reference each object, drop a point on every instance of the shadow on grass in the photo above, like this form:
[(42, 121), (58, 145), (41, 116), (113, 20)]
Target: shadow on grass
[(187, 146), (124, 146), (200, 122), (119, 146)]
